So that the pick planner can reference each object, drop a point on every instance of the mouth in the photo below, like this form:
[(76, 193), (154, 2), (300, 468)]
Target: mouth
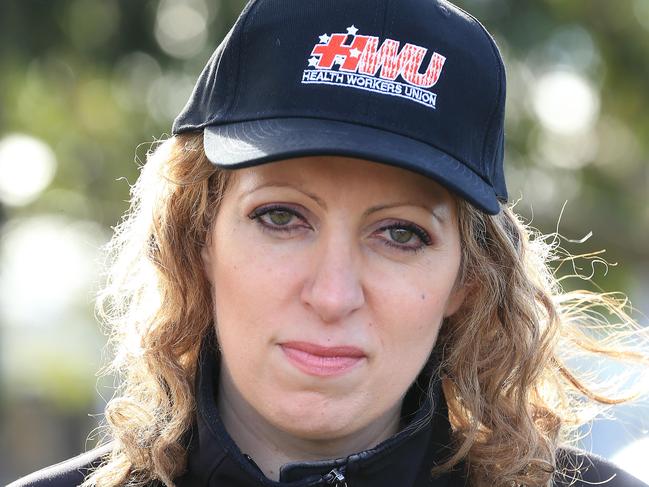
[(322, 361)]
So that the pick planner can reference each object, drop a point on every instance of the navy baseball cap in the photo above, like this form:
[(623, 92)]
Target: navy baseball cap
[(418, 84)]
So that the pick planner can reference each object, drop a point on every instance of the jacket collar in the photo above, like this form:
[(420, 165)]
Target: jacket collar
[(404, 459)]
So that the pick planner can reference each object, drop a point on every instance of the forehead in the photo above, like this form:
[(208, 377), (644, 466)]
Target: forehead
[(333, 173)]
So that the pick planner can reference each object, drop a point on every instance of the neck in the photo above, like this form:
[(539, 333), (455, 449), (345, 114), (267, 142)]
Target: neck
[(271, 447)]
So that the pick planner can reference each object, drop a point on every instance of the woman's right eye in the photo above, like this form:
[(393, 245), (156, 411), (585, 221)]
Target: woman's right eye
[(276, 218)]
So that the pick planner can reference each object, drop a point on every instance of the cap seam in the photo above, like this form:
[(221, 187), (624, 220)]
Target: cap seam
[(252, 7), (490, 126), (494, 110), (489, 120)]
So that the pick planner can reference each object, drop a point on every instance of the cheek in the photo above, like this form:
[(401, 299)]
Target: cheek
[(410, 323), (407, 327), (409, 307), (238, 312), (252, 284), (417, 291), (249, 276)]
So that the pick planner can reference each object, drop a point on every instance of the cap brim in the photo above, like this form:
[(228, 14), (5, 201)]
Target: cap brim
[(250, 143)]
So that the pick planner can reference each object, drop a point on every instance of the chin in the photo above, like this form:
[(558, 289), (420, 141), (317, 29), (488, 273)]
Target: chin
[(311, 416)]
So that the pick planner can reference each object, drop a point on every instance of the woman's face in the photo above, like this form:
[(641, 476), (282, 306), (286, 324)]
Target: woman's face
[(331, 277)]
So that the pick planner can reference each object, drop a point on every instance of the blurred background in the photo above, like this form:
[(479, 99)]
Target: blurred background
[(87, 85)]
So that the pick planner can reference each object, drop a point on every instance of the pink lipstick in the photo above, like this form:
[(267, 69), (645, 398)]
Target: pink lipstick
[(321, 361)]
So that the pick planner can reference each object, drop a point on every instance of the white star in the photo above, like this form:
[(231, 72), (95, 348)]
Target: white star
[(313, 61), (339, 59), (352, 30), (324, 39), (354, 52)]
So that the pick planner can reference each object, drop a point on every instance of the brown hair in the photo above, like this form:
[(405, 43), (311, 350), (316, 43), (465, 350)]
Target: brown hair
[(504, 369)]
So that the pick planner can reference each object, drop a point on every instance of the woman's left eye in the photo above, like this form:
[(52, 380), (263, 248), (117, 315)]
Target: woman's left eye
[(278, 217), (401, 235)]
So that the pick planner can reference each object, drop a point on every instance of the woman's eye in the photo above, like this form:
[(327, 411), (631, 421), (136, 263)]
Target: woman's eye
[(279, 217), (406, 236), (276, 218), (401, 235)]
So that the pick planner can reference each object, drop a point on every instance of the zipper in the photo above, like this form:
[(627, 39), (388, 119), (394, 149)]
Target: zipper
[(336, 477)]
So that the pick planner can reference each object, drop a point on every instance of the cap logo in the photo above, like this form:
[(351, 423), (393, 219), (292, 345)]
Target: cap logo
[(362, 64)]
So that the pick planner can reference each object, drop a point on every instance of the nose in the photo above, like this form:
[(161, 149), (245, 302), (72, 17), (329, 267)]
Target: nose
[(333, 288)]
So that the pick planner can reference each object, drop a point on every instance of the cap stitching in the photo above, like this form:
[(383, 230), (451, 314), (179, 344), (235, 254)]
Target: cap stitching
[(489, 121), (491, 128), (247, 15)]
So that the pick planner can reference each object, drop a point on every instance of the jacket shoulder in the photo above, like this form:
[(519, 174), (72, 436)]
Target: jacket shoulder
[(577, 468), (69, 473)]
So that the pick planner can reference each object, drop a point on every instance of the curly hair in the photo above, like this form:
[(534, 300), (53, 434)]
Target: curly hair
[(504, 367)]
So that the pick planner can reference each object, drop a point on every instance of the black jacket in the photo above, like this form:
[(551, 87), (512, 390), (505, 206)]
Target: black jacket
[(401, 461)]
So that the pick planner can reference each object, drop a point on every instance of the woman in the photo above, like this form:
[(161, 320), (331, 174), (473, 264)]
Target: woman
[(320, 283)]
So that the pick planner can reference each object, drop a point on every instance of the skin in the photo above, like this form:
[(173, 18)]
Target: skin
[(332, 279)]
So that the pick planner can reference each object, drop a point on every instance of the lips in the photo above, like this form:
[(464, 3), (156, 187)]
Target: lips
[(322, 361)]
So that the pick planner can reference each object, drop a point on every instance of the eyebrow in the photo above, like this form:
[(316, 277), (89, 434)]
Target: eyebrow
[(438, 215), (315, 198)]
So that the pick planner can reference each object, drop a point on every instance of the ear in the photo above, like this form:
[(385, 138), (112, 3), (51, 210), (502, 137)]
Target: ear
[(455, 300)]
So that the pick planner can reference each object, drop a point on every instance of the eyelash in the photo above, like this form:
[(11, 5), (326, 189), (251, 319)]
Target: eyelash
[(419, 232)]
